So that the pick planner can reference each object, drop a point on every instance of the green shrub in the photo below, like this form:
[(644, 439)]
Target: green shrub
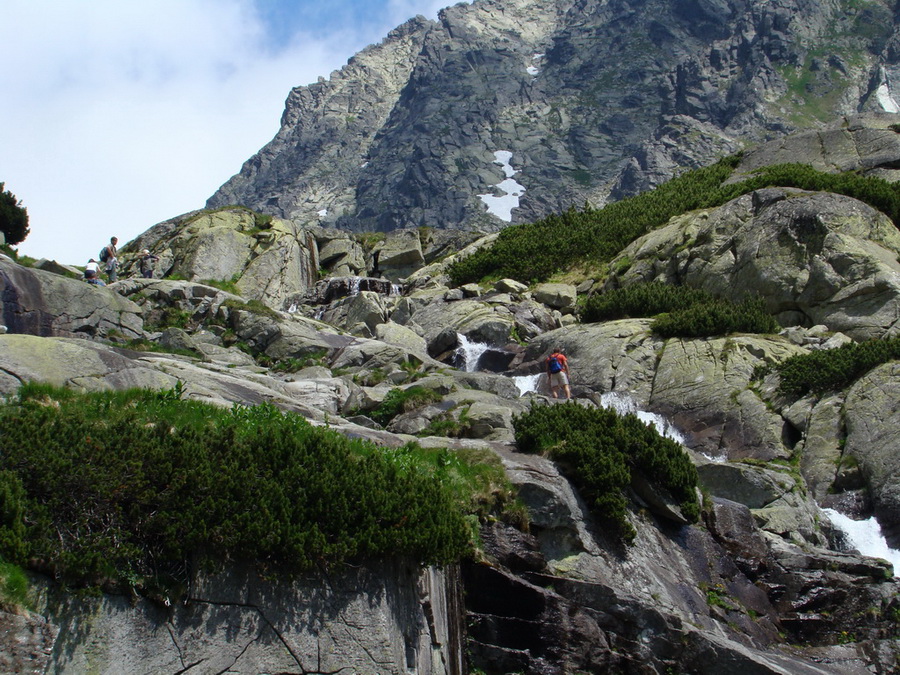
[(138, 486), (641, 300), (13, 217), (144, 345), (168, 317), (399, 401), (681, 311), (716, 317), (599, 451), (227, 285), (13, 585), (834, 369), (12, 514)]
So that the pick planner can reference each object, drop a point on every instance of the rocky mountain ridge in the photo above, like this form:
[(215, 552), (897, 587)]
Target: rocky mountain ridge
[(584, 100)]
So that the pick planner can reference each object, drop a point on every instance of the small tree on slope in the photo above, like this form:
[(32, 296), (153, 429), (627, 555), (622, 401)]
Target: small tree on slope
[(13, 217)]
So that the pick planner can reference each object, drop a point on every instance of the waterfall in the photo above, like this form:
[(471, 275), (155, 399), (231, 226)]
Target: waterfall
[(624, 404), (469, 352), (865, 536), (527, 383), (354, 285)]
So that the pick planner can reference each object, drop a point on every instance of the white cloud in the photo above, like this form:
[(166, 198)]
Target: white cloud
[(115, 116)]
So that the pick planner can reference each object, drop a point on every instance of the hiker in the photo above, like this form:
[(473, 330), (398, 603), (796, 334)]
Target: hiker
[(108, 256), (92, 273), (558, 373), (147, 260)]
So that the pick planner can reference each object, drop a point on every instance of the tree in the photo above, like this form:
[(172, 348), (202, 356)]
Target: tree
[(13, 217)]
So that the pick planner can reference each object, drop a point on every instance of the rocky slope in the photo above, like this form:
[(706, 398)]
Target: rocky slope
[(763, 584), (507, 110)]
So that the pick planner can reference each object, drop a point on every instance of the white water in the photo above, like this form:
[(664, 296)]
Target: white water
[(526, 383), (865, 536), (883, 94), (469, 352), (623, 405)]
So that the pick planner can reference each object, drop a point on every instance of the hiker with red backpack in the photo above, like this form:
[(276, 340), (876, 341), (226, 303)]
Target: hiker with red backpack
[(558, 373)]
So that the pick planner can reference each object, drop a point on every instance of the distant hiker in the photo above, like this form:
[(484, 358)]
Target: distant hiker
[(109, 256), (92, 269), (558, 373), (147, 260), (92, 273)]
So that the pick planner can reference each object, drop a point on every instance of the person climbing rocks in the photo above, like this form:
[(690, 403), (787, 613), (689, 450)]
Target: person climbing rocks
[(147, 260), (92, 273), (109, 256), (558, 373)]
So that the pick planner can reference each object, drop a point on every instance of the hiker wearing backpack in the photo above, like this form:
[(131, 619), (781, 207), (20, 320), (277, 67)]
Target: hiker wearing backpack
[(109, 257), (558, 373)]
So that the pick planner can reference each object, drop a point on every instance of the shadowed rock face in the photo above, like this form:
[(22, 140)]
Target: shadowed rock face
[(386, 618), (41, 303), (591, 99)]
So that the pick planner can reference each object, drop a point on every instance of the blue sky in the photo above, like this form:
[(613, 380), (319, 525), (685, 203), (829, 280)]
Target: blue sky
[(117, 115)]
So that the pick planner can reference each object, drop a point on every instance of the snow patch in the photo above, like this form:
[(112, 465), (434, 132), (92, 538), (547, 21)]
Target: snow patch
[(502, 206), (322, 213)]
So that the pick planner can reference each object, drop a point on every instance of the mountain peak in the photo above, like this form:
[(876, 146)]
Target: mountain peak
[(588, 100)]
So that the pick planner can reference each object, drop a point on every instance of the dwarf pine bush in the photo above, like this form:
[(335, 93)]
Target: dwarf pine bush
[(141, 485), (681, 311), (600, 450), (716, 317), (827, 370), (641, 300)]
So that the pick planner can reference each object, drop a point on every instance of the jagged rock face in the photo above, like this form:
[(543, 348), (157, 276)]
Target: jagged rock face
[(590, 98), (270, 262)]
